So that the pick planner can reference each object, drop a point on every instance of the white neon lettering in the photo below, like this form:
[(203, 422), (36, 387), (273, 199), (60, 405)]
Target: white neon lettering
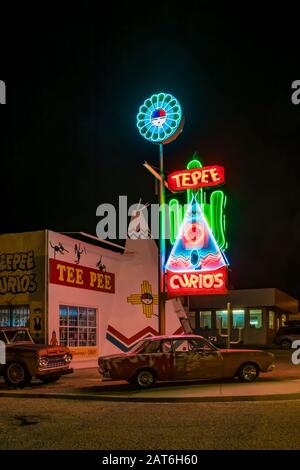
[(172, 282), (208, 281), (219, 281)]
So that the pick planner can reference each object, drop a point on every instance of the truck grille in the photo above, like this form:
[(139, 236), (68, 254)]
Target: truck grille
[(55, 362)]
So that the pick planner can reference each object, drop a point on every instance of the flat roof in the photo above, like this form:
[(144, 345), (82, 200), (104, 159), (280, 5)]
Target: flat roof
[(264, 297)]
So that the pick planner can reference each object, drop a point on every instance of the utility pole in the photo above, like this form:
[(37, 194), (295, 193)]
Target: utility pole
[(162, 245)]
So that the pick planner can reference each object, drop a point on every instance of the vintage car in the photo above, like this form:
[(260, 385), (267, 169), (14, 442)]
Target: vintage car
[(26, 359), (184, 357)]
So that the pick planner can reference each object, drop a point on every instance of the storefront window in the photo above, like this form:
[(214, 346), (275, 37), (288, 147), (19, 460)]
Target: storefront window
[(77, 326), (221, 317), (271, 320), (14, 315), (238, 319), (255, 320), (205, 319)]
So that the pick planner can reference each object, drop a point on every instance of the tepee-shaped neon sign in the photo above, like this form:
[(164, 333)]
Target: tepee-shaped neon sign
[(196, 264)]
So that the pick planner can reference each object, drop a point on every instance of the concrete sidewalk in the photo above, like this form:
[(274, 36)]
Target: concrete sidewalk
[(85, 384)]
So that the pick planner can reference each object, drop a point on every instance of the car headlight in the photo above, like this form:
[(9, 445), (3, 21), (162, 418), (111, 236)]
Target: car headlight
[(68, 357), (43, 361)]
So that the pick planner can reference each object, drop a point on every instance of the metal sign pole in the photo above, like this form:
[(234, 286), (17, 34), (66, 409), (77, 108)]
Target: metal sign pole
[(162, 244), (229, 315)]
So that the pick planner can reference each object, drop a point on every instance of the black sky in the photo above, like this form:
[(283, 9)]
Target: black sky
[(68, 135)]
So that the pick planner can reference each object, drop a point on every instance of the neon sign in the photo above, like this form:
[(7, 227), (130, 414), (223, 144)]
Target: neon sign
[(197, 283), (196, 178), (196, 264), (160, 118), (213, 204)]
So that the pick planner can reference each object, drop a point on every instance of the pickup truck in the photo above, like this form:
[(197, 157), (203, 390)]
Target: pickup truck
[(24, 359)]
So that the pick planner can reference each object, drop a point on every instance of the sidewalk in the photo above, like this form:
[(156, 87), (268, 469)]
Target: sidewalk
[(282, 384)]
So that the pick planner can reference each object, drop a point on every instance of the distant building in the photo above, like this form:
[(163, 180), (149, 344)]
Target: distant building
[(256, 314)]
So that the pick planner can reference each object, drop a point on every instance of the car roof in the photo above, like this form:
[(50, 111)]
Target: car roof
[(184, 336), (12, 328)]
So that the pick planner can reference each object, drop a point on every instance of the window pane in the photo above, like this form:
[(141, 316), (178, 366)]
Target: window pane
[(238, 319), (19, 315), (82, 316), (4, 316), (63, 337), (91, 317), (83, 336), (91, 339), (255, 318), (151, 347), (63, 315), (73, 316), (198, 344), (73, 337), (181, 345), (205, 319), (166, 346), (221, 317), (271, 320)]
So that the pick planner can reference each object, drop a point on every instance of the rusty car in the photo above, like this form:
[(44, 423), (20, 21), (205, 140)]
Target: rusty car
[(24, 359), (180, 358)]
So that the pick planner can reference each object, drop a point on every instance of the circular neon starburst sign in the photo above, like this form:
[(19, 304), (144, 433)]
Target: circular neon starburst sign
[(160, 118)]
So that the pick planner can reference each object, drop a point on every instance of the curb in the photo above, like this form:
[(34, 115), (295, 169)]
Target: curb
[(221, 399)]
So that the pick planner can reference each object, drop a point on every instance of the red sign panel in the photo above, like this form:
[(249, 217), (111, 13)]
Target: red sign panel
[(196, 178), (197, 282), (72, 275)]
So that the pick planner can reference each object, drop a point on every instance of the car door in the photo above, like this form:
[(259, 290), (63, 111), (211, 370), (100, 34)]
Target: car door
[(159, 356), (197, 359)]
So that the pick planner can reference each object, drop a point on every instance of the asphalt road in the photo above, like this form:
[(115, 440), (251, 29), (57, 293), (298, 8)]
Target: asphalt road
[(71, 424)]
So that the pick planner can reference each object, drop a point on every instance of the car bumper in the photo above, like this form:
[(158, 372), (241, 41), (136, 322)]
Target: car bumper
[(54, 372), (104, 374)]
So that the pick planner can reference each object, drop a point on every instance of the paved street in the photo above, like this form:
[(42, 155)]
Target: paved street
[(71, 424)]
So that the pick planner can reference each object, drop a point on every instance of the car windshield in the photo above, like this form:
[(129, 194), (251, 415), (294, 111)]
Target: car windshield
[(19, 336)]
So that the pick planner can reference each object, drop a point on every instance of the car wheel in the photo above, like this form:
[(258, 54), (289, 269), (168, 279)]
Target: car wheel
[(248, 372), (285, 344), (145, 378), (50, 380), (17, 375)]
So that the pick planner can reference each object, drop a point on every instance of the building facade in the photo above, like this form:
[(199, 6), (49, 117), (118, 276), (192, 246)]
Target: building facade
[(256, 315), (93, 296)]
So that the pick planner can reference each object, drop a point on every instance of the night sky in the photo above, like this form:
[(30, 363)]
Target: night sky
[(68, 135)]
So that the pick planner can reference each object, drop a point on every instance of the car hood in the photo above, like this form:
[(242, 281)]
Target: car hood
[(41, 349)]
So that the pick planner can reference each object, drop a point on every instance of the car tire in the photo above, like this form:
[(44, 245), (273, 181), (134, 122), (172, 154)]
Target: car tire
[(248, 372), (16, 374), (145, 378), (285, 344), (50, 380)]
